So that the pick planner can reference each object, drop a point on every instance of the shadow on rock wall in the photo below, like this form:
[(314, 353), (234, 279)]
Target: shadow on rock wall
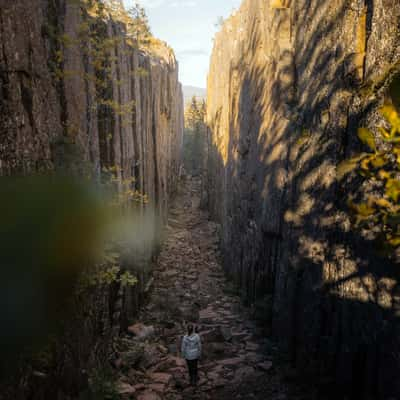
[(324, 292)]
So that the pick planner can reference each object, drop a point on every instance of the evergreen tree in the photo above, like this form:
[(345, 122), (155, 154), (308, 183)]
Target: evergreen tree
[(138, 28), (195, 133)]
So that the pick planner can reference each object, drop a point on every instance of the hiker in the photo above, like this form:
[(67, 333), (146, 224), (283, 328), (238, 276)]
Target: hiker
[(191, 351)]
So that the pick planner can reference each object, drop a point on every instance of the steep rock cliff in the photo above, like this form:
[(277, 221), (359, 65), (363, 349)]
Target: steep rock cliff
[(126, 112), (77, 93), (284, 103)]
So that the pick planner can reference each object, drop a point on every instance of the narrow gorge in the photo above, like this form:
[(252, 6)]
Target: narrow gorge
[(278, 235)]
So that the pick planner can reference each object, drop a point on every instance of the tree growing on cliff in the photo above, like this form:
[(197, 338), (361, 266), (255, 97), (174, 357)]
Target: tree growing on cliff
[(138, 27), (378, 210), (220, 22)]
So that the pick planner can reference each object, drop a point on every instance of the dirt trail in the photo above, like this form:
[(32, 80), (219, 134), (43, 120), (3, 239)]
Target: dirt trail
[(189, 285)]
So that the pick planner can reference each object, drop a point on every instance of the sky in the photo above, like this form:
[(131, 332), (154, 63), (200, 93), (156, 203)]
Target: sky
[(188, 26)]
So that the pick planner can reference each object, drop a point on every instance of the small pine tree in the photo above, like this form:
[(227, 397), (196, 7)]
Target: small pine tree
[(195, 133), (138, 28)]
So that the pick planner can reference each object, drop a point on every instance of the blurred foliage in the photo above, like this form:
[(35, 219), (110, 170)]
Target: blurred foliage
[(380, 209), (122, 189), (51, 229), (61, 238)]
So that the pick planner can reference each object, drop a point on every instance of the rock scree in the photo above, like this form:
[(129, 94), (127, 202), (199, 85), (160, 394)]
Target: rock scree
[(238, 361)]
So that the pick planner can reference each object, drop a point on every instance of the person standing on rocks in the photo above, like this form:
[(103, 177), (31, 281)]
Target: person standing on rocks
[(191, 351)]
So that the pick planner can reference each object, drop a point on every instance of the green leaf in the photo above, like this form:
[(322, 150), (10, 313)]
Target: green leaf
[(393, 189)]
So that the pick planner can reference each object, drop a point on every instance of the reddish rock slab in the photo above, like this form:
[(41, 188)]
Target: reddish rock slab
[(231, 362), (148, 395), (157, 387), (141, 331), (266, 365), (125, 388), (161, 377)]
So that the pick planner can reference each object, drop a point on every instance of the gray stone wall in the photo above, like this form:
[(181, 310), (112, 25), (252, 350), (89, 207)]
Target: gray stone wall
[(288, 87), (141, 132)]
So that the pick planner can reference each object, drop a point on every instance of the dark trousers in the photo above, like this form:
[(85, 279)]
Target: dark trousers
[(192, 367)]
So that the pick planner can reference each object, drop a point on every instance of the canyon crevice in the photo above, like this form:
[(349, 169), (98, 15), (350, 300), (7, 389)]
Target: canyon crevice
[(289, 85)]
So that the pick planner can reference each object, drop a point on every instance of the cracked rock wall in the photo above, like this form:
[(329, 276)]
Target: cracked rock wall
[(76, 94), (135, 124), (284, 102)]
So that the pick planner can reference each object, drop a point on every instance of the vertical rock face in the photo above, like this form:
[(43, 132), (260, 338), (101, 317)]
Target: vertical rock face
[(284, 103), (71, 76), (78, 93)]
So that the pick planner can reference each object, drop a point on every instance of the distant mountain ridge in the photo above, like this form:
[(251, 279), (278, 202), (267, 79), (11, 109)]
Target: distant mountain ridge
[(190, 91)]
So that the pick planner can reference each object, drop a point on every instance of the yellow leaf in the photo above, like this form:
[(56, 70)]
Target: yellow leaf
[(395, 240), (367, 137), (390, 113), (365, 210), (382, 203), (383, 175), (378, 161), (393, 189), (385, 134)]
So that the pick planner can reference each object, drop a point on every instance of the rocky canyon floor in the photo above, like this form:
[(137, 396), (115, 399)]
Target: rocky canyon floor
[(238, 362)]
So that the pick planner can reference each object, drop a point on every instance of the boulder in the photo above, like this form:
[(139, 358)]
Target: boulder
[(231, 362), (158, 387), (212, 335), (125, 388), (149, 395), (141, 331), (169, 363), (214, 349), (151, 357), (161, 377), (133, 357)]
